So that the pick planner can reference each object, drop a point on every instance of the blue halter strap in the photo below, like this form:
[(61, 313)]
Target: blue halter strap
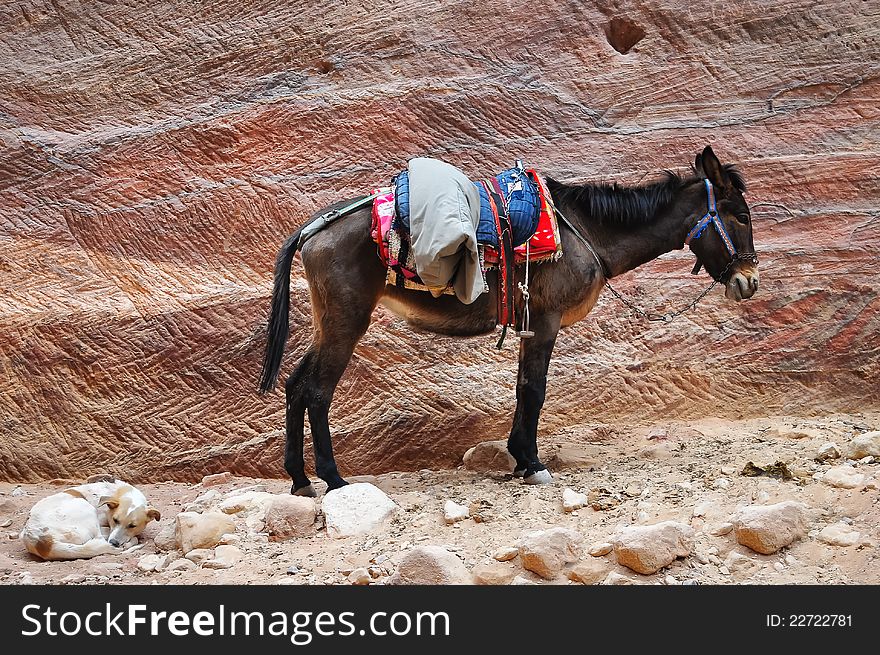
[(712, 217)]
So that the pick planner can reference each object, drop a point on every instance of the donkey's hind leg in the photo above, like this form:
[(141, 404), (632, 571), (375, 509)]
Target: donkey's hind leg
[(295, 420)]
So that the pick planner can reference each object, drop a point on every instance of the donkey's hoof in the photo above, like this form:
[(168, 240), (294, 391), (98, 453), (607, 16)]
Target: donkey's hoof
[(307, 490), (336, 484), (519, 473), (539, 477)]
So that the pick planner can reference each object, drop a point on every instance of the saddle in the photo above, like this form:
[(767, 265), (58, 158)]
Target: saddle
[(517, 224)]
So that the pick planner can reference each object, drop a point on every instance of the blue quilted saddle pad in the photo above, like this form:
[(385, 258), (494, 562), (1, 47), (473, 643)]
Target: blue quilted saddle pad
[(520, 193)]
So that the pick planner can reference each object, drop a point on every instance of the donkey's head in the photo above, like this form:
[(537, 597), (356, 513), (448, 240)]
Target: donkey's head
[(721, 233)]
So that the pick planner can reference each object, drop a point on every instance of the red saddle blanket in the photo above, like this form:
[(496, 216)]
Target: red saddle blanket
[(395, 253)]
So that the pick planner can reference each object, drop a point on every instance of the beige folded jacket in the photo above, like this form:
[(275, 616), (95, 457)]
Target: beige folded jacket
[(444, 210)]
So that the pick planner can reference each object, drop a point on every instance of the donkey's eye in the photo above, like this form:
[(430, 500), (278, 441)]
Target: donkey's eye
[(743, 218)]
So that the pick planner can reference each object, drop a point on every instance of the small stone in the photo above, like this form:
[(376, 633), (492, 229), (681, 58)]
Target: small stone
[(590, 571), (6, 523), (728, 470), (722, 529), (615, 578), (360, 576), (827, 451), (165, 538), (356, 509), (867, 460), (182, 565), (740, 564), (216, 478), (690, 583), (648, 548), (493, 573), (150, 563), (572, 500), (230, 540), (505, 554), (658, 434), (779, 566), (724, 570), (290, 516), (864, 445), (199, 555), (703, 508), (376, 571), (521, 580), (201, 530), (791, 560), (453, 512), (839, 534), (545, 552), (767, 528), (670, 580), (633, 489), (225, 557), (571, 457), (721, 483), (701, 558), (73, 578), (602, 499), (489, 456), (843, 477), (430, 565), (600, 549), (18, 491), (293, 570)]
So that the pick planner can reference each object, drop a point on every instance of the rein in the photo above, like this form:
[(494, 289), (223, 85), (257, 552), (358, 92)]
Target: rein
[(710, 217)]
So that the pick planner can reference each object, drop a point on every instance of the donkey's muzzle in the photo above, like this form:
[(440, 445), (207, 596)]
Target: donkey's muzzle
[(742, 285)]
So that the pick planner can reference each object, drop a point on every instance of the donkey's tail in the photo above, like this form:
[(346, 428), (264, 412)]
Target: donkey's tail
[(279, 327)]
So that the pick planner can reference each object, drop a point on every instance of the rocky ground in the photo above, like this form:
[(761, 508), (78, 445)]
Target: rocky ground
[(694, 502)]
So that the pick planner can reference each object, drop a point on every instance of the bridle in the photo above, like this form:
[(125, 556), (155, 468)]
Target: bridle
[(711, 216)]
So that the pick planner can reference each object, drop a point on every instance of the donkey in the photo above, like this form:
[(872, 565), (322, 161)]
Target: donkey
[(605, 230)]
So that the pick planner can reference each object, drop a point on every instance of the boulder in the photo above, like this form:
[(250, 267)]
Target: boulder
[(648, 548), (489, 457), (767, 528), (843, 477), (590, 571), (290, 516), (839, 534), (356, 509), (201, 530), (546, 552), (864, 445), (430, 565)]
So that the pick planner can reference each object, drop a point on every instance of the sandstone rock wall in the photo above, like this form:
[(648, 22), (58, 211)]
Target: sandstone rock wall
[(153, 156)]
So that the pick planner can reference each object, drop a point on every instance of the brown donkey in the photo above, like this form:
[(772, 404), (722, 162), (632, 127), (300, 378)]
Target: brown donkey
[(606, 230)]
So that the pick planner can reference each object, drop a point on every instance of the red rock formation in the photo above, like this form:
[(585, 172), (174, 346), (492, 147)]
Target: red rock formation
[(153, 156)]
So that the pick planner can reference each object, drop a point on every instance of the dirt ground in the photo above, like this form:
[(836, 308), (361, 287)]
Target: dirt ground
[(688, 472)]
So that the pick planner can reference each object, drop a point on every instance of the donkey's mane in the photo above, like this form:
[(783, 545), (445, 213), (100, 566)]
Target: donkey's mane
[(615, 204)]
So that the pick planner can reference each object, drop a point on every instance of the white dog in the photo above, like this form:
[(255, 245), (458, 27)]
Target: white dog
[(86, 521)]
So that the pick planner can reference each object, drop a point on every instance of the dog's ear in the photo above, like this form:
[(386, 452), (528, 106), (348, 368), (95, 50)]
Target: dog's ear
[(153, 513), (109, 501)]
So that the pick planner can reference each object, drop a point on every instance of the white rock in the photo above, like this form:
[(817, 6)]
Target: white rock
[(545, 552), (230, 540), (182, 565), (505, 554), (193, 530), (779, 567), (828, 451), (572, 500), (430, 565), (864, 445), (166, 538), (615, 578), (844, 477), (225, 557), (216, 478), (839, 534), (250, 506), (740, 564), (722, 529), (290, 516), (453, 512), (493, 573), (767, 528), (521, 580), (489, 456), (600, 549), (648, 548), (721, 483), (360, 576), (199, 555), (151, 563), (590, 571), (356, 509)]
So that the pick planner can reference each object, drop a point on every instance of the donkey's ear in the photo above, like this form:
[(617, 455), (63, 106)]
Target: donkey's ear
[(707, 164)]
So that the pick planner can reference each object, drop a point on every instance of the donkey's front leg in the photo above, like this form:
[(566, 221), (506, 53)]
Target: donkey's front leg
[(531, 384)]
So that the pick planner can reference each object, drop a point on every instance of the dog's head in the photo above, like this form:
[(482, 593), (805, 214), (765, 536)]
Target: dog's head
[(127, 515)]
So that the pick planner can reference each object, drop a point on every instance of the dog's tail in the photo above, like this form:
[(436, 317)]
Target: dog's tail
[(45, 547)]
